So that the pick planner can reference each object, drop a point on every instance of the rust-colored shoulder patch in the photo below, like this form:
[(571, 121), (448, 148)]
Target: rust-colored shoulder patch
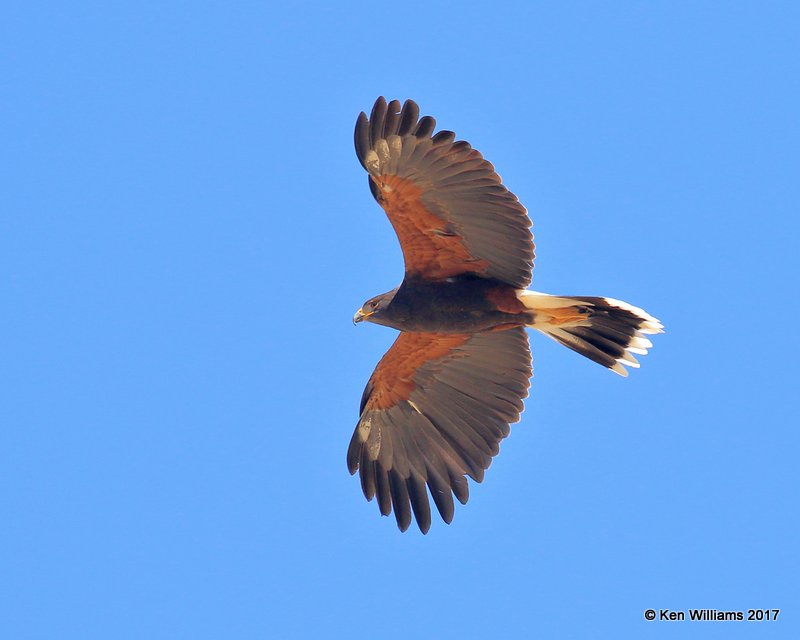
[(431, 249), (393, 379), (505, 299)]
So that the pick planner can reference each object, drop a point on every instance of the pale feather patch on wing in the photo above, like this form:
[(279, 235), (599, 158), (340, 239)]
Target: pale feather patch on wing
[(372, 162)]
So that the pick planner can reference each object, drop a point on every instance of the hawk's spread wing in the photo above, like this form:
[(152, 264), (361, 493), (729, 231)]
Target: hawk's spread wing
[(435, 410), (449, 208)]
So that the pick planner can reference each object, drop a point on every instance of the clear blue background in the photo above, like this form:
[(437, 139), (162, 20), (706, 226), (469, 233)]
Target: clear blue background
[(185, 234)]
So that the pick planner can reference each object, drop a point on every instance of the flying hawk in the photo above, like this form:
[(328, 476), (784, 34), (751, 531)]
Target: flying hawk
[(441, 399)]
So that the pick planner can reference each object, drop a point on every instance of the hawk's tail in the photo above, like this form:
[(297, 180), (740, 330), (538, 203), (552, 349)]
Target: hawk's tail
[(605, 330)]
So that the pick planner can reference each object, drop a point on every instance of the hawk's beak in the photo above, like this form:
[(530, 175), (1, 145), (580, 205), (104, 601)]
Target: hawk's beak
[(360, 315)]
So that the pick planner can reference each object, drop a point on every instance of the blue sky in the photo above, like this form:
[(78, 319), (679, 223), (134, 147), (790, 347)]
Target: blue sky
[(185, 233)]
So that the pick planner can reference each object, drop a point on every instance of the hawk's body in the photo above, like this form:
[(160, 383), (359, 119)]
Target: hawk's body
[(460, 304), (442, 398)]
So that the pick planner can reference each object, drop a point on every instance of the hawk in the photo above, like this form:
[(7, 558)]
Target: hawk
[(442, 398)]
